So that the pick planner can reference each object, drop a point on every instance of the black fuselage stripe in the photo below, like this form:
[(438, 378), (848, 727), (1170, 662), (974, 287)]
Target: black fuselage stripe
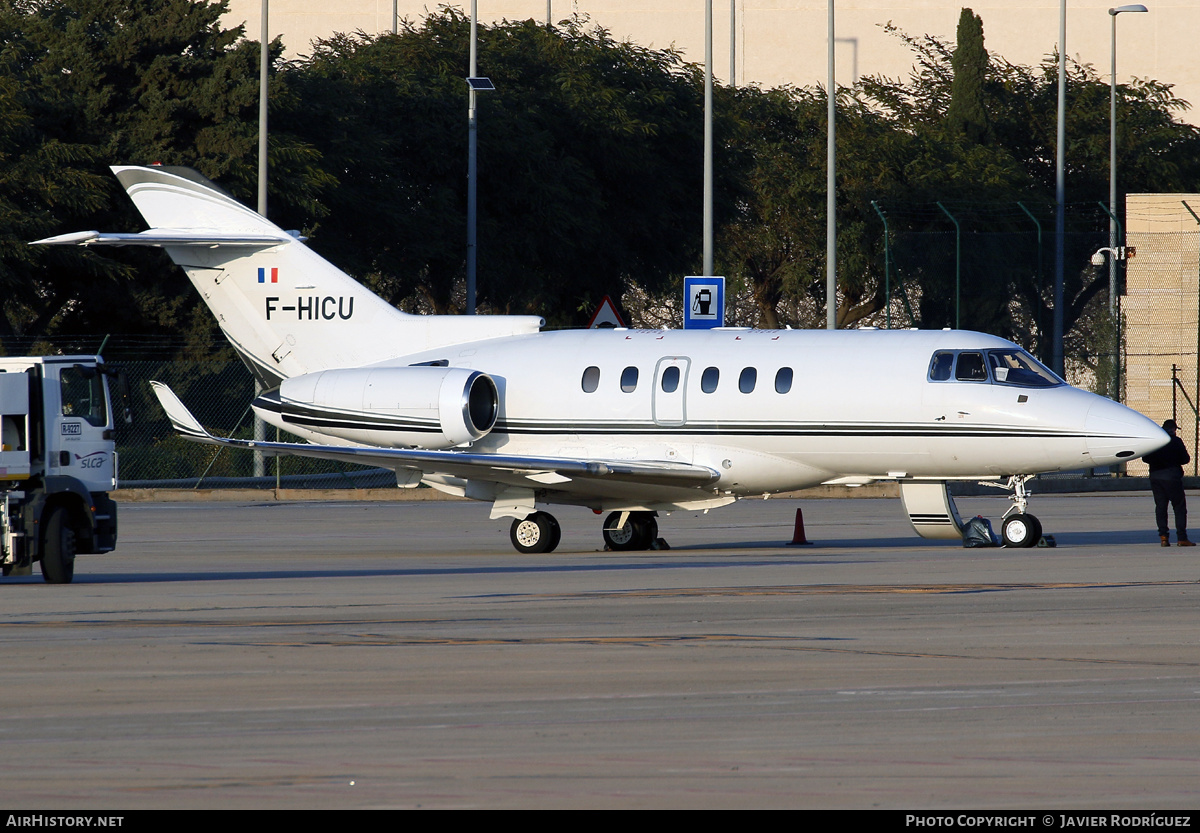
[(318, 418)]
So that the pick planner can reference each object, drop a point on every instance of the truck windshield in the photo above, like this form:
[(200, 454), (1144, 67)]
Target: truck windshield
[(83, 395)]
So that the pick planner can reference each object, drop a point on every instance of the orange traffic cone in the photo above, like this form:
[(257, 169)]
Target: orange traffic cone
[(798, 538)]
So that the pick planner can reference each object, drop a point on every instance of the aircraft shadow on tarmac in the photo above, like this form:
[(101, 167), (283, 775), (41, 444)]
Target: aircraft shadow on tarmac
[(818, 554), (658, 562)]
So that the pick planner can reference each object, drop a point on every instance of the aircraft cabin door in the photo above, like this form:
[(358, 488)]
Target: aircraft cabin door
[(670, 387)]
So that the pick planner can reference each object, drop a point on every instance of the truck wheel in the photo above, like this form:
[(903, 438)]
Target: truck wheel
[(58, 547)]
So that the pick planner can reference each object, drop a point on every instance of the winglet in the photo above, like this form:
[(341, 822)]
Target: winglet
[(181, 418)]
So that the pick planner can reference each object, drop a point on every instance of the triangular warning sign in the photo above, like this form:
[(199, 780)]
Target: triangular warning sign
[(606, 315)]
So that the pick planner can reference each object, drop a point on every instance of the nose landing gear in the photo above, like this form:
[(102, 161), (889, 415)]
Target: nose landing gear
[(1019, 528)]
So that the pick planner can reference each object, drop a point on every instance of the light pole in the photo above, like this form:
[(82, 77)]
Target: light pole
[(1113, 307), (472, 131), (708, 141), (1060, 195), (1112, 157), (264, 66), (830, 184), (475, 84)]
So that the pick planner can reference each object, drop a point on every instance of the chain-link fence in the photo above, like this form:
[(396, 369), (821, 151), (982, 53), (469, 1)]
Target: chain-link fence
[(945, 265), (219, 393), (990, 267)]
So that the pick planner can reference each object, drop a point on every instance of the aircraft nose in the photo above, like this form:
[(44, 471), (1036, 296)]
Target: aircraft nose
[(1116, 434)]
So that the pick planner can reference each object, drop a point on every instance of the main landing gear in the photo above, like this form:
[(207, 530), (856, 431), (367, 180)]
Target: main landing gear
[(539, 532), (1019, 528), (626, 531), (623, 532)]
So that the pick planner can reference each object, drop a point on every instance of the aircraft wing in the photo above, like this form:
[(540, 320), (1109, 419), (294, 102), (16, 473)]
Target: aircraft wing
[(546, 471)]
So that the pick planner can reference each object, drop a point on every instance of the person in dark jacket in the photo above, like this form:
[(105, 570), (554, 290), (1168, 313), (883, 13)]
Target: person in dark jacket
[(1166, 481)]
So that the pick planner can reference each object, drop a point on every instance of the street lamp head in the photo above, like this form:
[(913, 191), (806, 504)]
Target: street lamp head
[(1136, 7)]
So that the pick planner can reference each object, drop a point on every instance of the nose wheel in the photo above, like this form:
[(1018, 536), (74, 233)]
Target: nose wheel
[(1021, 530)]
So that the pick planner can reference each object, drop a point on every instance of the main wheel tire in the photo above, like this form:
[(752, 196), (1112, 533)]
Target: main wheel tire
[(58, 547), (647, 531), (1021, 531), (536, 533), (555, 532), (638, 533), (1036, 537)]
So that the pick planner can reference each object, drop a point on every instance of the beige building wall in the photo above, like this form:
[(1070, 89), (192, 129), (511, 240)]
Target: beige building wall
[(1161, 309), (780, 42)]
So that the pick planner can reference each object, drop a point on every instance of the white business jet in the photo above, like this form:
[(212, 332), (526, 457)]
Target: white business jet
[(629, 422)]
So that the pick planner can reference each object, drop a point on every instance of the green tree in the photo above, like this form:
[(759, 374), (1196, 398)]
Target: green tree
[(91, 83), (966, 112), (775, 240), (1014, 162), (589, 151)]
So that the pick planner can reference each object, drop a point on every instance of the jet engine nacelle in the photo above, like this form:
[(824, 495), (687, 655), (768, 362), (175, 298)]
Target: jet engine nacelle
[(428, 407)]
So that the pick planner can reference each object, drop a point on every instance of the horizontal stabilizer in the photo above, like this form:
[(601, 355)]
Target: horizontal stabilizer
[(165, 237)]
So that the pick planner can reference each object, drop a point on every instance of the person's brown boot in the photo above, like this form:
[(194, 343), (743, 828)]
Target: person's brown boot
[(1184, 542)]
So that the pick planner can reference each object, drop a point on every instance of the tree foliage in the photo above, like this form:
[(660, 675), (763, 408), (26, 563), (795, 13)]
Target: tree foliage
[(1013, 161), (966, 113), (587, 154), (91, 83), (589, 169)]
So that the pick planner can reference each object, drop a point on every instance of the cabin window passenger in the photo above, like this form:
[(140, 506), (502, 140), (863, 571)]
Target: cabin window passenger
[(591, 379), (709, 379), (783, 380), (747, 379), (970, 368), (629, 379), (670, 379), (939, 368)]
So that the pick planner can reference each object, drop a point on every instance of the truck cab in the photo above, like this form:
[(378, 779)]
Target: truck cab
[(58, 462)]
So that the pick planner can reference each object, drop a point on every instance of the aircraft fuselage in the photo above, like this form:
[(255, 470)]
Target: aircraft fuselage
[(767, 410)]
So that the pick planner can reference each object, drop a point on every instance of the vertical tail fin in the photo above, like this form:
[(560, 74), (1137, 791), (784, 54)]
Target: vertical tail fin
[(285, 309)]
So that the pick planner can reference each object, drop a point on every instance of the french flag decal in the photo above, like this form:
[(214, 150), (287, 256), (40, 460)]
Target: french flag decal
[(262, 274)]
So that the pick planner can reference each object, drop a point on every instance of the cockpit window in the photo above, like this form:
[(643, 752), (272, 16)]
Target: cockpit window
[(939, 368), (1016, 367), (1012, 366), (970, 368)]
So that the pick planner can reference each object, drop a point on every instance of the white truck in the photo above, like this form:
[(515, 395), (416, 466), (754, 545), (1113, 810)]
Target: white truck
[(58, 461)]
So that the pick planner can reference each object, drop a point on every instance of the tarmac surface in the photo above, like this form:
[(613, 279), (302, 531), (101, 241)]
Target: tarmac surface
[(403, 655)]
